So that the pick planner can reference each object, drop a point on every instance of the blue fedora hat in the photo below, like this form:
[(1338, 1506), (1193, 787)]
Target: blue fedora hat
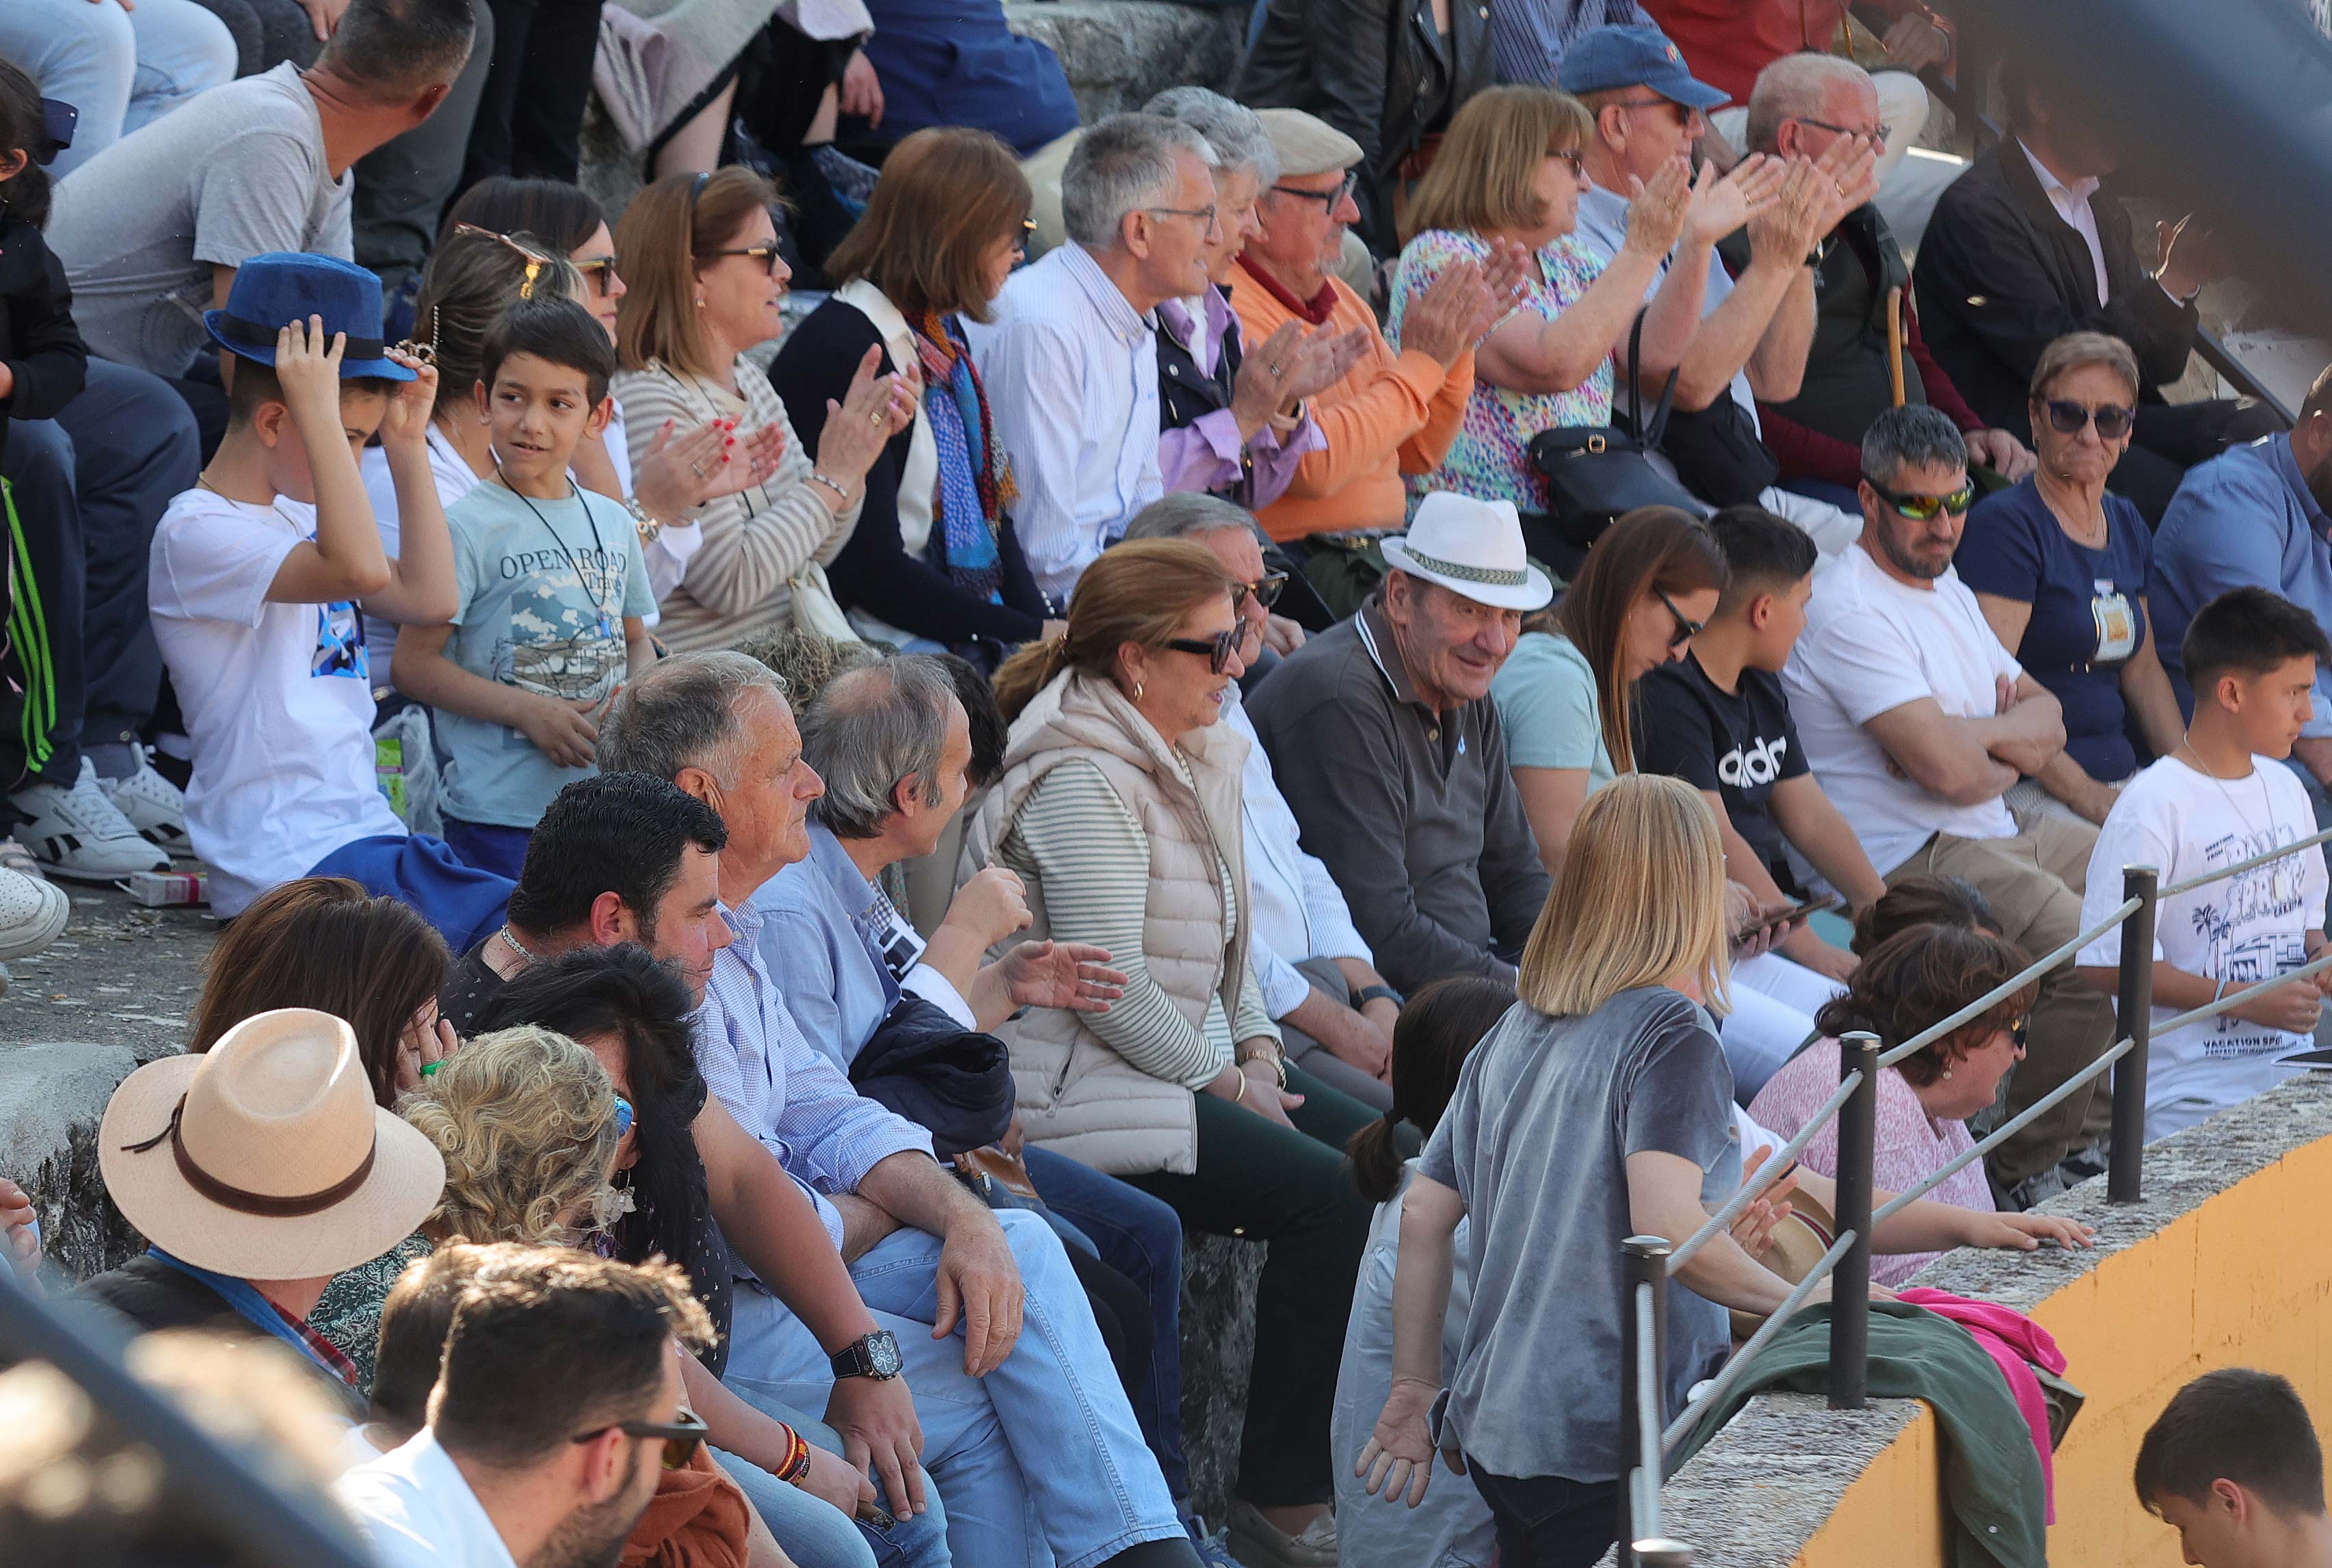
[(275, 288), (1607, 57)]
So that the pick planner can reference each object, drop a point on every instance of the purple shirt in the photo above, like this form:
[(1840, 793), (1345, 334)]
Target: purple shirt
[(1204, 454)]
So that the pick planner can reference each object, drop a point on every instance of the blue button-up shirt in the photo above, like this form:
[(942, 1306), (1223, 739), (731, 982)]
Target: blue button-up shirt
[(1603, 229), (1071, 372), (2243, 520), (821, 932), (781, 1090), (1528, 38)]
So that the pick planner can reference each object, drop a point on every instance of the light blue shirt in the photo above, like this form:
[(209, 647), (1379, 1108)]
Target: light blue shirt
[(2243, 520), (1603, 228), (1071, 372), (1528, 38), (1298, 909), (543, 587), (781, 1090), (817, 917)]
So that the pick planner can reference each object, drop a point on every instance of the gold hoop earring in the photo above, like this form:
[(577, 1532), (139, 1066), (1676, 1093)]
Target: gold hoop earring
[(1138, 690)]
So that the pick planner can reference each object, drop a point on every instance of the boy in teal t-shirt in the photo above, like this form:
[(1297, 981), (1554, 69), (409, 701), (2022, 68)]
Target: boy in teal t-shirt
[(553, 589)]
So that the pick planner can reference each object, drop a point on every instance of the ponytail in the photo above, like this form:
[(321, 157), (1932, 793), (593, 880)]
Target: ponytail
[(1019, 678), (1376, 1162), (1437, 1030)]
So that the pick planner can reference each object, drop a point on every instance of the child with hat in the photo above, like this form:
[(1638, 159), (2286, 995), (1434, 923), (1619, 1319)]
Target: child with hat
[(255, 582)]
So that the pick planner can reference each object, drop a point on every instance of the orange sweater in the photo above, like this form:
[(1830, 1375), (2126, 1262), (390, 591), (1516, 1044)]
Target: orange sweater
[(1394, 412)]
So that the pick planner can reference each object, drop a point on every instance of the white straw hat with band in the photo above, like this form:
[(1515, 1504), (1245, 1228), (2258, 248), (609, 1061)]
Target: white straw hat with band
[(1472, 548), (266, 1157)]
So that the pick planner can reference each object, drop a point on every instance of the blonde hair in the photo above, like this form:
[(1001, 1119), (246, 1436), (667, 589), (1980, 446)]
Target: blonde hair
[(1640, 902), (1480, 181), (526, 1121), (659, 241), (1139, 592)]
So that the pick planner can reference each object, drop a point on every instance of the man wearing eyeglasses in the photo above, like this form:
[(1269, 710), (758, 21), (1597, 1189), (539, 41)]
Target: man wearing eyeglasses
[(1917, 722), (1804, 105), (1070, 362), (557, 1407)]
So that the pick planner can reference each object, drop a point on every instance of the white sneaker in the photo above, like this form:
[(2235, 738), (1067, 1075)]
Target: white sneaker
[(79, 833), (33, 914), (151, 804)]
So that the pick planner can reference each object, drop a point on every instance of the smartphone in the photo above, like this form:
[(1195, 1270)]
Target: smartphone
[(1798, 912)]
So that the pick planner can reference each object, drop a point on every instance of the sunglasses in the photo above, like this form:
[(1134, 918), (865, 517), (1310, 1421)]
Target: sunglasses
[(766, 253), (1922, 508), (1687, 628), (682, 1436), (625, 1116), (1267, 589), (537, 263), (2113, 420), (1326, 198), (597, 270), (1218, 648)]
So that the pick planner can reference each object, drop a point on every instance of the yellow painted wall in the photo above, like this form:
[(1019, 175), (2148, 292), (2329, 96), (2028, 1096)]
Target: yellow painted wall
[(2241, 1280)]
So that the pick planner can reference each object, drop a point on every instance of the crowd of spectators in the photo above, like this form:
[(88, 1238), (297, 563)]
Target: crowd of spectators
[(779, 862)]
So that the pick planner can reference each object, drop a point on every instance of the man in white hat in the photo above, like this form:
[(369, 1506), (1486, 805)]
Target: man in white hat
[(1385, 742), (257, 1171)]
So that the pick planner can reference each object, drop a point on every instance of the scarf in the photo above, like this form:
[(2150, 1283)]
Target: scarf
[(1315, 309), (973, 492), (268, 1318)]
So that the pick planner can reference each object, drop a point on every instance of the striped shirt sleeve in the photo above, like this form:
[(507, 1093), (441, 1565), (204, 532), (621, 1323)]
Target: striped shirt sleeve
[(1087, 851)]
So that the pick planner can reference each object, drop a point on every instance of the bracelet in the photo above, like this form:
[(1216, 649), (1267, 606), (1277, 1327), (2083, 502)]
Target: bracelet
[(648, 526), (1276, 1058), (1239, 1097), (841, 495), (796, 1469)]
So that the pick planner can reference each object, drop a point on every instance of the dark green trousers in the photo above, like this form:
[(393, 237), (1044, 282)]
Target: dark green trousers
[(1258, 1180)]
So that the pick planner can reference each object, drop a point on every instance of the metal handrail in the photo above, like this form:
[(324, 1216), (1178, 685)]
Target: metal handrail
[(2236, 998), (1721, 1384), (1767, 1174), (2008, 988), (2264, 857), (1644, 1482), (2000, 1134)]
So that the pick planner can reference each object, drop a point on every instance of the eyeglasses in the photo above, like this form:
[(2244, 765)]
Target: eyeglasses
[(1921, 508), (537, 263), (597, 270), (1205, 215), (1267, 589), (682, 1436), (1577, 160), (766, 253), (2018, 1030), (1859, 133), (1021, 241), (1218, 648), (1330, 199), (2067, 417), (624, 1116), (1687, 628)]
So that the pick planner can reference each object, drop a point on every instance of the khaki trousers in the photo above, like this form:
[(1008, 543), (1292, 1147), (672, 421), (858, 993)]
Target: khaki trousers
[(2033, 883)]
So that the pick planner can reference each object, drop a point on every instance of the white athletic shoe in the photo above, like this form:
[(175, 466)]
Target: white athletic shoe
[(33, 914), (151, 804), (79, 833)]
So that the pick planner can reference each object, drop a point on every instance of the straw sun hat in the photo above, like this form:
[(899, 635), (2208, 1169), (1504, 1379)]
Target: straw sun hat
[(266, 1157)]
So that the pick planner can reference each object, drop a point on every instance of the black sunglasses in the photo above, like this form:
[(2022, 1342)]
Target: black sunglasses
[(1687, 628), (2067, 417), (1922, 508), (599, 270), (682, 1436), (1326, 198), (1267, 588), (766, 252), (1218, 648)]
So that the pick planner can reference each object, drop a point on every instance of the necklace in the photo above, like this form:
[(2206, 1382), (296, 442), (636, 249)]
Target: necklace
[(511, 943), (598, 550), (2082, 529), (2241, 815)]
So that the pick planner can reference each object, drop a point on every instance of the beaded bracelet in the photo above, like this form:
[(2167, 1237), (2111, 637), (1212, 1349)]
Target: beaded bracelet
[(796, 1469)]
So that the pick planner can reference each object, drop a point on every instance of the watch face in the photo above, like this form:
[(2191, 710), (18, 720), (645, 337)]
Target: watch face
[(883, 1353)]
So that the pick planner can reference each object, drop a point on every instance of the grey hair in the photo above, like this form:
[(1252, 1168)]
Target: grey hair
[(1120, 165), (1233, 130), (2075, 350), (1915, 435), (683, 714), (872, 730), (1795, 87), (1184, 513)]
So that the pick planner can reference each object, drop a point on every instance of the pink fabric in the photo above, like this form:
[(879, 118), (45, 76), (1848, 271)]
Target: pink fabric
[(1908, 1147), (2017, 1344)]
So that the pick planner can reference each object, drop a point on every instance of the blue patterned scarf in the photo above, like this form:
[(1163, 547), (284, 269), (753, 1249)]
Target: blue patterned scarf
[(966, 508)]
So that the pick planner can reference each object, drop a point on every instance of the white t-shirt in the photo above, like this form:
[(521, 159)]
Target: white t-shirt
[(418, 1512), (2245, 928), (277, 697), (1872, 645), (454, 480)]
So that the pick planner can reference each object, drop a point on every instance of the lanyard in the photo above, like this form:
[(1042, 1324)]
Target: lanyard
[(598, 548), (251, 1305)]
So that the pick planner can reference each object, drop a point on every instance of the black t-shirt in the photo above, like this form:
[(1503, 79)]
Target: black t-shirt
[(1738, 744)]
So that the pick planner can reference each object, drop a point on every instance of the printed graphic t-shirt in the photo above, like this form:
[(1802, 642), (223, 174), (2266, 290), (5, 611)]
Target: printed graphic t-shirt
[(544, 587), (1738, 744)]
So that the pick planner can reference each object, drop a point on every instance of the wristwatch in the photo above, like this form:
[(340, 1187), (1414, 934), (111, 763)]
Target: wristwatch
[(875, 1356), (1367, 994)]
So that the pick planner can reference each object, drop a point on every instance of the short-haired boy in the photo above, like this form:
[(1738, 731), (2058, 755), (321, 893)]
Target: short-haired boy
[(550, 589), (2223, 796), (2234, 1465), (253, 583), (1718, 719)]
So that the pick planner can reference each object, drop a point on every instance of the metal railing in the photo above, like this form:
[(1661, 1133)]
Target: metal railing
[(1650, 1261)]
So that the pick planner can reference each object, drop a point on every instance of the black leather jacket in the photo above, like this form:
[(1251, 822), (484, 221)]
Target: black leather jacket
[(1376, 70)]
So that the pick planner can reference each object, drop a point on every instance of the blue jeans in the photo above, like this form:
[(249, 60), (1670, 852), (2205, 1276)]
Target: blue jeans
[(119, 68), (1041, 1461), (1141, 1238), (814, 1533)]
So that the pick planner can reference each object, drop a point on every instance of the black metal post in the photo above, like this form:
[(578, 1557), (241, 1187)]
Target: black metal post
[(2134, 1012), (1663, 1554), (1644, 1260), (1849, 1322)]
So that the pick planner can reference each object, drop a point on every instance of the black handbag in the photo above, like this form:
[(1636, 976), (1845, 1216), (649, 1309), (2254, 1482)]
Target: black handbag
[(1719, 452), (1596, 473)]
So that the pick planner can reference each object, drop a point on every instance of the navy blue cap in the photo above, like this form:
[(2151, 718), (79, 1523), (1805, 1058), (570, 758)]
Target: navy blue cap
[(1607, 57), (278, 287)]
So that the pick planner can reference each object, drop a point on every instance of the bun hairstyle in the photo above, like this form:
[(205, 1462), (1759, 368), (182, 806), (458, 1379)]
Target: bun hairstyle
[(472, 277), (25, 128)]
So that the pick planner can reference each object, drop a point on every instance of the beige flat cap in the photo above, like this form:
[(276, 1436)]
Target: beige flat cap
[(1306, 145)]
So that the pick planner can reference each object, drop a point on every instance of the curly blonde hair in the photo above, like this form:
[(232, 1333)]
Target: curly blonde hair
[(526, 1121)]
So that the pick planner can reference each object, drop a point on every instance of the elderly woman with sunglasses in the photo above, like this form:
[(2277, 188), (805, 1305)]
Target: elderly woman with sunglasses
[(1119, 810), (2060, 565), (698, 254)]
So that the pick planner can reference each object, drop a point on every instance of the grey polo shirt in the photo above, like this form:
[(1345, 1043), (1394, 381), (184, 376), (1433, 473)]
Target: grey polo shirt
[(1414, 812)]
